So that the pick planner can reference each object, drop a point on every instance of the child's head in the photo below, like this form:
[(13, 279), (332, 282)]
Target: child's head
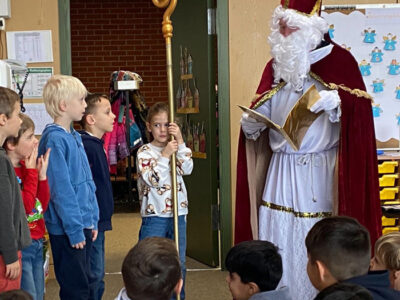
[(151, 270), (98, 115), (157, 123), (15, 295), (345, 291), (23, 144), (387, 257), (254, 266), (9, 109), (338, 249), (65, 95)]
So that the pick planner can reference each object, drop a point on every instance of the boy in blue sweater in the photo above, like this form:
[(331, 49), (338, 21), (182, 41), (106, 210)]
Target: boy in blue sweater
[(72, 215), (98, 120)]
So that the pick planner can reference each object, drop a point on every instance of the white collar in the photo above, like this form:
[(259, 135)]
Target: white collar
[(122, 295), (320, 53)]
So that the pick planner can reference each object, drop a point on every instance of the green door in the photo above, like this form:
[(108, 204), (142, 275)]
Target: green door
[(191, 31)]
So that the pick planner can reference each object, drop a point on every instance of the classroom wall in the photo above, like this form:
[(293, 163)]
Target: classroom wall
[(35, 15), (111, 35), (248, 54)]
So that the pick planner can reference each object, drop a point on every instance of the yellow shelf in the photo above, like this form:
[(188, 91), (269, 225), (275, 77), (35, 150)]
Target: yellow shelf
[(188, 110), (186, 76), (199, 155)]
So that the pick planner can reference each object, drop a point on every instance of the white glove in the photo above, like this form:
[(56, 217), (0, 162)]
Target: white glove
[(329, 100), (251, 127), (330, 103)]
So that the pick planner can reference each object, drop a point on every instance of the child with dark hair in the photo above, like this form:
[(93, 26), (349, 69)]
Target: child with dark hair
[(97, 120), (339, 250), (255, 269), (344, 291), (151, 271), (14, 231), (31, 173), (15, 295)]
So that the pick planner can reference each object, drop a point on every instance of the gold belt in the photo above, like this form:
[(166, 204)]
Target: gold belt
[(297, 214)]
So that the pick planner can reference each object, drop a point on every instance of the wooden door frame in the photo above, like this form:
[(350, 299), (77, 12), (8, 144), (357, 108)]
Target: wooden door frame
[(224, 128)]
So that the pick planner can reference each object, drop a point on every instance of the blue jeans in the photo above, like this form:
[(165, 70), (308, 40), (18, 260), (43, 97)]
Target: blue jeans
[(164, 227), (32, 280), (97, 266)]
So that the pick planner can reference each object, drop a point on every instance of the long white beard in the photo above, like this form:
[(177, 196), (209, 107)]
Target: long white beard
[(291, 53), (291, 57)]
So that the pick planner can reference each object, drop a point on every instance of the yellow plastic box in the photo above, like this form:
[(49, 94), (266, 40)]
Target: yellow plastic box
[(388, 180), (387, 230), (387, 167), (388, 221), (388, 193)]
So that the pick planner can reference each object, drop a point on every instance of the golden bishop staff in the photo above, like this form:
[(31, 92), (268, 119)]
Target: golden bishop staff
[(167, 32)]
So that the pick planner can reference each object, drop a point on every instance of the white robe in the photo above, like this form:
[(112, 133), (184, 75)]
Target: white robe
[(301, 181)]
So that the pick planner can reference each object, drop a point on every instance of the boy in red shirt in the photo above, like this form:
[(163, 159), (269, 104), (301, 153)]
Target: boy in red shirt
[(31, 174)]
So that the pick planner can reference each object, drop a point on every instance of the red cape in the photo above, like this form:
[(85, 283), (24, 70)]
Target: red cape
[(358, 185)]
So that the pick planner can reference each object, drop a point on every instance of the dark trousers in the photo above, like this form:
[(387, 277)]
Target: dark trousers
[(72, 267)]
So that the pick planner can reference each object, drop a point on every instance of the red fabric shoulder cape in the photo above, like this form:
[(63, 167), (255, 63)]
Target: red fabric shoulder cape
[(358, 173)]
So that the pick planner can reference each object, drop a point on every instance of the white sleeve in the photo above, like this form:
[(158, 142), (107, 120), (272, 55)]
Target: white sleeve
[(253, 128), (154, 171), (184, 161)]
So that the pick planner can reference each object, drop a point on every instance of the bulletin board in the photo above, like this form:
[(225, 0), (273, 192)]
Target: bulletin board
[(372, 35), (27, 19)]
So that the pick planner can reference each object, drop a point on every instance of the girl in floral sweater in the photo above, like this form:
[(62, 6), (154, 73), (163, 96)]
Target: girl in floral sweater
[(154, 183)]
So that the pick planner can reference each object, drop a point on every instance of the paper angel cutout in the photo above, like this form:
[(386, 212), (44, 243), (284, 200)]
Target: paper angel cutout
[(369, 36), (378, 85), (394, 67), (376, 110), (390, 42), (331, 30), (376, 55), (365, 68)]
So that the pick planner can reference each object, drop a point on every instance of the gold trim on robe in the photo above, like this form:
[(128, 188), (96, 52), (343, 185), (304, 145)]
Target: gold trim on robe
[(268, 95), (332, 86), (297, 214), (298, 120)]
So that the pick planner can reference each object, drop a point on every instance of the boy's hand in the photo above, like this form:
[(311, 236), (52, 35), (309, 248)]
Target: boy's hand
[(94, 234), (174, 130), (80, 245), (171, 147), (42, 164), (30, 161), (13, 270)]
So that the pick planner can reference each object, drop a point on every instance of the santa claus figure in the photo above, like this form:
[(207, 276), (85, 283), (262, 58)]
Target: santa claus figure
[(334, 171)]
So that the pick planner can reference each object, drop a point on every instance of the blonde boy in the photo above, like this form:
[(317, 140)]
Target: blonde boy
[(387, 257), (14, 232), (72, 214)]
